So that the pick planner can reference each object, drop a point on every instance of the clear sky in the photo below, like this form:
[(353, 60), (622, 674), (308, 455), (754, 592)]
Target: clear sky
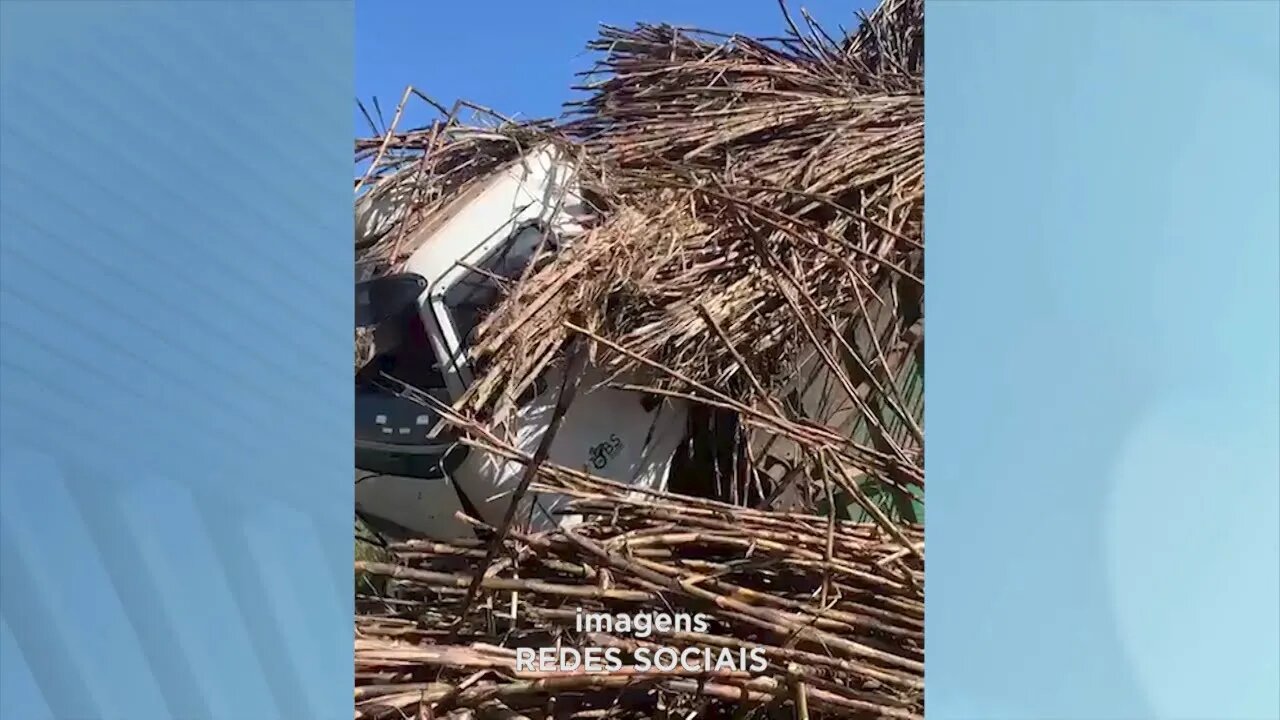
[(519, 57)]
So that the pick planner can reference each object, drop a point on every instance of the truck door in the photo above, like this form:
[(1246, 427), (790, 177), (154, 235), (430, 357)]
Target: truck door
[(607, 432)]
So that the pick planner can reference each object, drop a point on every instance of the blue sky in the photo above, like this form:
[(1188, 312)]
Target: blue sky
[(519, 57)]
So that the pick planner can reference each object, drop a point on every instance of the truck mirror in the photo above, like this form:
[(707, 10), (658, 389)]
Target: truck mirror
[(383, 298)]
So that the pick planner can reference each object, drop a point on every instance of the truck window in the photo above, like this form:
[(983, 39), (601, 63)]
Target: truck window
[(480, 289), (404, 352), (393, 433)]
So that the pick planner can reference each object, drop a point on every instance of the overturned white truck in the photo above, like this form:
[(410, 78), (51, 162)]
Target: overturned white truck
[(411, 481)]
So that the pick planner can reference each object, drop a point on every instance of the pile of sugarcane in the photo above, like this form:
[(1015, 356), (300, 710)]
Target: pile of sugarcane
[(836, 608), (757, 218), (757, 200)]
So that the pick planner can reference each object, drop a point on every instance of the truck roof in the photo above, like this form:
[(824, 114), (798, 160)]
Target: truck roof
[(538, 187)]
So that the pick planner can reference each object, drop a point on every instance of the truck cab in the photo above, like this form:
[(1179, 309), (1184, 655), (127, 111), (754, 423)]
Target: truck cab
[(412, 479)]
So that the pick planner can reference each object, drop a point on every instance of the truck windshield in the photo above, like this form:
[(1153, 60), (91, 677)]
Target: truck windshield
[(405, 353), (480, 289), (387, 421)]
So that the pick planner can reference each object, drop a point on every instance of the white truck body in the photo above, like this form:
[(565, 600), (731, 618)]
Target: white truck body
[(402, 479)]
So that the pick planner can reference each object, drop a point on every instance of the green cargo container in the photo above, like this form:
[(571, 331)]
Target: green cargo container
[(910, 385)]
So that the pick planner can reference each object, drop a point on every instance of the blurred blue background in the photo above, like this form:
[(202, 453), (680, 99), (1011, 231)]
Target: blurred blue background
[(175, 360), (1103, 387)]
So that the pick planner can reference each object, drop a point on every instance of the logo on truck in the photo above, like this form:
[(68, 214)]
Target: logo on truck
[(601, 454)]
